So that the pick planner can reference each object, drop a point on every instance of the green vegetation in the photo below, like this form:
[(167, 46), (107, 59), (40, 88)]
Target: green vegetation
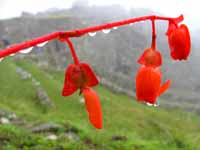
[(137, 126)]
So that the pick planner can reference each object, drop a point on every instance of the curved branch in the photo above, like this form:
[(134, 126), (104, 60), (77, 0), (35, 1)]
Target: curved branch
[(79, 32)]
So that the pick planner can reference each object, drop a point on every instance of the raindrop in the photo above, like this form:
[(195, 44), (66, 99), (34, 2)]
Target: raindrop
[(92, 33), (12, 54), (42, 44), (106, 31), (82, 100), (115, 28), (156, 104), (25, 51)]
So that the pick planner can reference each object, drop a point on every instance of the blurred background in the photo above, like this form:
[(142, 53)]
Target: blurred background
[(31, 106)]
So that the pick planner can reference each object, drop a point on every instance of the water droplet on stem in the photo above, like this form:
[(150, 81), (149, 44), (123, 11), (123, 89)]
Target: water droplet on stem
[(25, 51), (42, 44), (106, 31), (92, 33), (1, 59)]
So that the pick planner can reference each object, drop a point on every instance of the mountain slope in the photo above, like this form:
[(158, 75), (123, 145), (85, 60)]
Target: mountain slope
[(127, 124)]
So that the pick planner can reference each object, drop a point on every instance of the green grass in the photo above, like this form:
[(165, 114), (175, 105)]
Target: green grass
[(146, 128)]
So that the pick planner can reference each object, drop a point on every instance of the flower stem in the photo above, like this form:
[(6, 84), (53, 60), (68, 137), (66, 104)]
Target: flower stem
[(80, 32), (72, 50), (153, 42), (62, 36)]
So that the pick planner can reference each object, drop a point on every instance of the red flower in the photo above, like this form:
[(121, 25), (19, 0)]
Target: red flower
[(148, 84), (93, 107), (77, 77), (151, 58), (179, 41), (80, 76)]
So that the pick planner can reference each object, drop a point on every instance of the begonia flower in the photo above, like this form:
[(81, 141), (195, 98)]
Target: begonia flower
[(179, 41), (78, 76), (81, 76), (148, 84)]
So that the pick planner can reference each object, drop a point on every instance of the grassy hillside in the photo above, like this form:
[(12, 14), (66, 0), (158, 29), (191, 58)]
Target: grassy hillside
[(127, 124)]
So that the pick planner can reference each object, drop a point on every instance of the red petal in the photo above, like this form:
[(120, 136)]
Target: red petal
[(151, 58), (148, 81), (78, 76), (164, 87), (187, 39), (171, 28), (93, 107), (90, 75), (69, 87)]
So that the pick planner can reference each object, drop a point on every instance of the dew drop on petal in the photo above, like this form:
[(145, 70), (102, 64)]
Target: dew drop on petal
[(106, 31), (25, 51), (115, 28), (92, 33), (42, 44), (149, 104)]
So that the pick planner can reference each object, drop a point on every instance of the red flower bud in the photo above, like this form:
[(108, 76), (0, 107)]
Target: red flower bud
[(151, 58), (179, 41)]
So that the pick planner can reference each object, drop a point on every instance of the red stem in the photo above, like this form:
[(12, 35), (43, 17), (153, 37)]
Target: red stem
[(72, 50), (79, 32), (153, 43), (17, 47)]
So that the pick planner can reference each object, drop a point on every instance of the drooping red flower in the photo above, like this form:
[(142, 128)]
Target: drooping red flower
[(151, 58), (179, 41), (78, 76), (148, 84), (81, 76), (93, 107)]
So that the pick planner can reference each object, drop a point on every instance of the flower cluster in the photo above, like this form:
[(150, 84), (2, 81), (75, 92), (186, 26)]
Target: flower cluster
[(149, 76), (80, 76)]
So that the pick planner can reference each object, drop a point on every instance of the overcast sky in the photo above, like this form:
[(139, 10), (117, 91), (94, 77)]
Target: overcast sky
[(173, 8)]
